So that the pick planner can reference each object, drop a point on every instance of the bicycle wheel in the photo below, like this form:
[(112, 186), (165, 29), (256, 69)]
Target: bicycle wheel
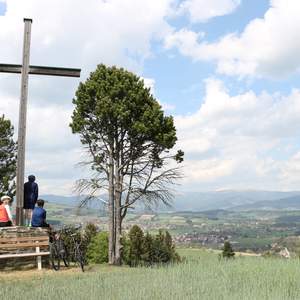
[(54, 257), (63, 252), (79, 258), (66, 260)]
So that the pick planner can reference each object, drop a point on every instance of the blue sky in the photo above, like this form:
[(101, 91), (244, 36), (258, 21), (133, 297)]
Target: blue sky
[(178, 78), (228, 70), (2, 8)]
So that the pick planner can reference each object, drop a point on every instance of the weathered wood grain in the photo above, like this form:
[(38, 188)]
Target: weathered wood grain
[(23, 256)]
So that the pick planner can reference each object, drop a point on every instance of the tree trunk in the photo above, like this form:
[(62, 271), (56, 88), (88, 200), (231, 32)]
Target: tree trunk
[(118, 196), (118, 229), (118, 239), (111, 212)]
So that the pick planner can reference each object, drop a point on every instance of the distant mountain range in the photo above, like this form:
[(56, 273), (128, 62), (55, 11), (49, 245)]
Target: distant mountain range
[(200, 201), (227, 199), (290, 203), (72, 201)]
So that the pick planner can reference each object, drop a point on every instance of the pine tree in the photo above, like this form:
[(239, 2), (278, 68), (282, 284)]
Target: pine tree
[(148, 254), (8, 150), (136, 238), (147, 250), (228, 250), (130, 142)]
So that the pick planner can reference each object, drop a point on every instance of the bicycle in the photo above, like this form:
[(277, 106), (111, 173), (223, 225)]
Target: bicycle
[(59, 251), (77, 253)]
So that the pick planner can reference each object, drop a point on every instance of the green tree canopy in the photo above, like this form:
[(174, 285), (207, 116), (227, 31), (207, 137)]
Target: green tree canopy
[(8, 150), (129, 140)]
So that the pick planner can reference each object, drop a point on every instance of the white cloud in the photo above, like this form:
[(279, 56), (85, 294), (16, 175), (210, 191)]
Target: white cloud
[(70, 33), (186, 41), (203, 10), (237, 140), (52, 151), (290, 172), (267, 47), (208, 170), (231, 141), (150, 83)]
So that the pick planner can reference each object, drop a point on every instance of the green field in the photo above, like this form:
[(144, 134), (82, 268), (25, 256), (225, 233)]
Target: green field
[(201, 276)]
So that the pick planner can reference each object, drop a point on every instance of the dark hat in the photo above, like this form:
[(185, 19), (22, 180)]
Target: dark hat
[(31, 178)]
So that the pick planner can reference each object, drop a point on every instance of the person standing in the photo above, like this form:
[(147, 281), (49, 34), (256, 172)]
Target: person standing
[(31, 193)]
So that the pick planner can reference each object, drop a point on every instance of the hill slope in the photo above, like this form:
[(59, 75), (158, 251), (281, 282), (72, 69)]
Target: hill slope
[(289, 203), (197, 201)]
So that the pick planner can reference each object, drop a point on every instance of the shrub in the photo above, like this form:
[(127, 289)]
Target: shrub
[(148, 250), (97, 250), (68, 240), (164, 249), (84, 237), (140, 249), (125, 250), (227, 250), (89, 232), (136, 241)]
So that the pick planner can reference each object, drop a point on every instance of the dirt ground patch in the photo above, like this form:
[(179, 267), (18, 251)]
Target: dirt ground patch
[(11, 275), (28, 273)]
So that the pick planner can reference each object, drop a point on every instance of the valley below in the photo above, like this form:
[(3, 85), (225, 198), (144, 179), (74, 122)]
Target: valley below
[(254, 230)]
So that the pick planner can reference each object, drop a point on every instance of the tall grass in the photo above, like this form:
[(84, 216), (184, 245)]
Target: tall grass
[(201, 276)]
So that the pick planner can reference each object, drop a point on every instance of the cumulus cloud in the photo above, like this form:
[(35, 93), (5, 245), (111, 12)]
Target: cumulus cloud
[(231, 141), (236, 140), (202, 10), (290, 172), (150, 83), (186, 41), (267, 47), (70, 33), (114, 32)]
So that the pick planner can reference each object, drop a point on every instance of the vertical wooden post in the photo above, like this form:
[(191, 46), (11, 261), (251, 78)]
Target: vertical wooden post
[(22, 123), (39, 258)]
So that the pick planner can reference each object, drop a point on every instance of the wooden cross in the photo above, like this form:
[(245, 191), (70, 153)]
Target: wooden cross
[(25, 69)]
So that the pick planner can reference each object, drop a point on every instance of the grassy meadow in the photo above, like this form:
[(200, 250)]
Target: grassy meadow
[(200, 276)]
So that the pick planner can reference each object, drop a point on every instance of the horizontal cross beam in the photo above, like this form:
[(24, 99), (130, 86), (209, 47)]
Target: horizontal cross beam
[(39, 70)]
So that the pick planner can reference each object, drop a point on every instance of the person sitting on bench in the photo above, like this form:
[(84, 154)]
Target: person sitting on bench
[(7, 201), (5, 215), (39, 215)]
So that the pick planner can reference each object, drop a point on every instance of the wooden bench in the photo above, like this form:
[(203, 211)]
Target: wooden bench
[(25, 246)]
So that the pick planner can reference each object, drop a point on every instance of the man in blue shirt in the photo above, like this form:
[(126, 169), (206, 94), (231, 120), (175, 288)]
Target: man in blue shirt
[(39, 215)]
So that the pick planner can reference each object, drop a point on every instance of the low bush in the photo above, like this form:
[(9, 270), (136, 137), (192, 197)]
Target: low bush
[(68, 240), (227, 250), (138, 249), (97, 250), (85, 237), (141, 249), (89, 232)]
